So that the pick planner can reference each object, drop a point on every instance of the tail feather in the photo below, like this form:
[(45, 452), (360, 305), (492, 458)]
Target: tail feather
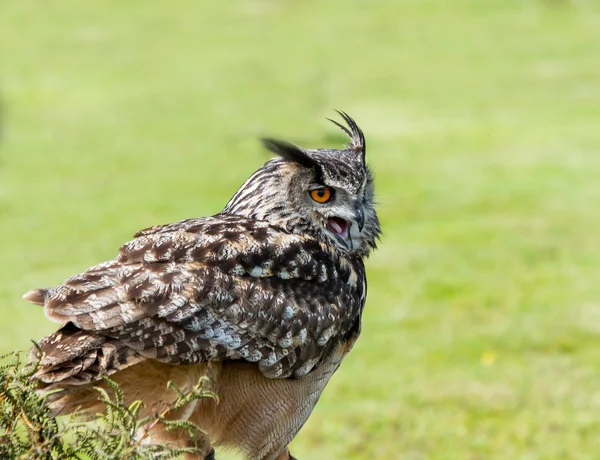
[(71, 356), (67, 371), (71, 386), (65, 345)]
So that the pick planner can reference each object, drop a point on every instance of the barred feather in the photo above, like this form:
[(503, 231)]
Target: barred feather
[(263, 281)]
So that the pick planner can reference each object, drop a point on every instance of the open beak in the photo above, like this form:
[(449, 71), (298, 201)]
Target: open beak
[(341, 227)]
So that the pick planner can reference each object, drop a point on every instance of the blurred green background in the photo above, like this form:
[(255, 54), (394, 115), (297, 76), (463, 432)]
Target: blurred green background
[(481, 335)]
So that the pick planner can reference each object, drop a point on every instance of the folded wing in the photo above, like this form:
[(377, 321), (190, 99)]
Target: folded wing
[(202, 290)]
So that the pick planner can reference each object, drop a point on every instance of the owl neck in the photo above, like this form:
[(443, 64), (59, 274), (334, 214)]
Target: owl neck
[(260, 198)]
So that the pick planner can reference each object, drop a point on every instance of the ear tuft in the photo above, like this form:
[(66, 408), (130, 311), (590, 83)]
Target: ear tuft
[(289, 152), (357, 138)]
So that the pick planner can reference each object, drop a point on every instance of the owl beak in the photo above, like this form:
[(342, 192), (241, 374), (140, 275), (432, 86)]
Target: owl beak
[(359, 216)]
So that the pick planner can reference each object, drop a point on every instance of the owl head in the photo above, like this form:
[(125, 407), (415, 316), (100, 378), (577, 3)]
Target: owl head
[(326, 192)]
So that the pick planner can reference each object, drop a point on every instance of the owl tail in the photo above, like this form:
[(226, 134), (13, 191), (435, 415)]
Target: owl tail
[(70, 359)]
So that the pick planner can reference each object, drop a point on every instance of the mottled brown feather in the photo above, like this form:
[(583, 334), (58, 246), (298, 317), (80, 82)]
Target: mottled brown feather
[(175, 293), (265, 298)]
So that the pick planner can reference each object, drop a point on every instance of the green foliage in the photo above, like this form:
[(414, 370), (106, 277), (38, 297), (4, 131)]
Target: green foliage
[(27, 431)]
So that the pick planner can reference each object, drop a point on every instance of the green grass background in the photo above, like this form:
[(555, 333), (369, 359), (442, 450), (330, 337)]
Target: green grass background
[(482, 328)]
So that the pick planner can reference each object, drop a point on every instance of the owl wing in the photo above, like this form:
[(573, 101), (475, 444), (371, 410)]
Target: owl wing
[(203, 290)]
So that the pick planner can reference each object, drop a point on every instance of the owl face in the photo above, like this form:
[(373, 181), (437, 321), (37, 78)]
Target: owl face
[(337, 195), (326, 192)]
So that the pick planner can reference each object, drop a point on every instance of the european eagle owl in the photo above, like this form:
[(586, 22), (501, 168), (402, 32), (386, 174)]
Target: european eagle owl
[(265, 298)]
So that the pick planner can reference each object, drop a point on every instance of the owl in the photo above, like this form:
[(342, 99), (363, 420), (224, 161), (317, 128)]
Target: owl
[(263, 298)]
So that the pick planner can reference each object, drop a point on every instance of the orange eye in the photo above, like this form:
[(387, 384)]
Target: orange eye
[(321, 195)]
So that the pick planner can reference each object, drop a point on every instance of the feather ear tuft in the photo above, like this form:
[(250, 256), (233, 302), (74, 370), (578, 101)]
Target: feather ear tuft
[(289, 152), (357, 138), (295, 154)]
